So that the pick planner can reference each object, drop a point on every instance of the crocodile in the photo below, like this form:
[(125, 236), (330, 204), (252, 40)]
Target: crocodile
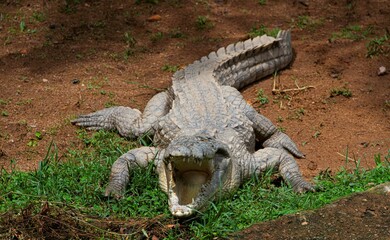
[(206, 137)]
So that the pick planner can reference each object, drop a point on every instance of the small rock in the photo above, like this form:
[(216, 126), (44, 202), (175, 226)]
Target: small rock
[(382, 71), (312, 165), (154, 18), (304, 223), (335, 75), (23, 51), (75, 81), (304, 3), (370, 212), (45, 80)]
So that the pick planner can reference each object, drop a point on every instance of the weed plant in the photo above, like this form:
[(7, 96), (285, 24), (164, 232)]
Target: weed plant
[(261, 30), (203, 22), (352, 32), (170, 68), (307, 22), (74, 188), (344, 91), (261, 97), (378, 46)]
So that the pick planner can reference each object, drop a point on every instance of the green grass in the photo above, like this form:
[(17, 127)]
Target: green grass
[(3, 101), (155, 37), (343, 91), (261, 30), (352, 32), (73, 189), (4, 113), (129, 39), (307, 22), (170, 68), (38, 16), (203, 22), (261, 97), (176, 33), (80, 180), (378, 46)]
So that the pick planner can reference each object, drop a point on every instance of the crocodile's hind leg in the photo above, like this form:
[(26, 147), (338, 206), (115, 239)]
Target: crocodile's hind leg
[(120, 171), (265, 130), (276, 159), (129, 122)]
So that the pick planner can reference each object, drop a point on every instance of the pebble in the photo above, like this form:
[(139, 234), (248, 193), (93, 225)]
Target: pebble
[(382, 71), (45, 80), (334, 75), (23, 51), (312, 165)]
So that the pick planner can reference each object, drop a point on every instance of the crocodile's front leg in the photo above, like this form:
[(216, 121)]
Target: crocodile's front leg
[(265, 130), (276, 159), (129, 122), (120, 171)]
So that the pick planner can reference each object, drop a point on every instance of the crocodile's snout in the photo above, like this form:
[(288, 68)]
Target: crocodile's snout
[(197, 147)]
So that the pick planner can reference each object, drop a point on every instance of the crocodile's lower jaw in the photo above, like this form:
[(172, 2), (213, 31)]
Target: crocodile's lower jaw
[(189, 184), (187, 181), (192, 186)]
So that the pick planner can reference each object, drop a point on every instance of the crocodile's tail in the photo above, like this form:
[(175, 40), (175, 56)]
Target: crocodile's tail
[(254, 59), (242, 63)]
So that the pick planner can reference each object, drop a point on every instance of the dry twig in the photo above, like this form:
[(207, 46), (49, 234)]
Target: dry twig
[(278, 90)]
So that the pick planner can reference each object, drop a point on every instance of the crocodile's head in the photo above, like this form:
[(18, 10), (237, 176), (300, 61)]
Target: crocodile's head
[(195, 169)]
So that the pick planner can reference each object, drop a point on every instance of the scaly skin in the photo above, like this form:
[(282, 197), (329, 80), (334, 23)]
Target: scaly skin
[(204, 131)]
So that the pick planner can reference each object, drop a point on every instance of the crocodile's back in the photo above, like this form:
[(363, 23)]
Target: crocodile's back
[(199, 104), (200, 107)]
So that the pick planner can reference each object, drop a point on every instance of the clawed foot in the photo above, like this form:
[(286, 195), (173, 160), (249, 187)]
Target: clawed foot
[(124, 119), (282, 141), (303, 187), (110, 192), (95, 121)]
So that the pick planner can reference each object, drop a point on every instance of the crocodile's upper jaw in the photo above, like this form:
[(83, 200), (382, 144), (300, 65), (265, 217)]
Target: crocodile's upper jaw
[(192, 183)]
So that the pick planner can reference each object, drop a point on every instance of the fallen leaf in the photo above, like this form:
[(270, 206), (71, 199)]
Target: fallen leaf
[(154, 18)]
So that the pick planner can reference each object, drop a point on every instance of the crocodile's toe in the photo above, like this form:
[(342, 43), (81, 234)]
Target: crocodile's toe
[(304, 187), (113, 193)]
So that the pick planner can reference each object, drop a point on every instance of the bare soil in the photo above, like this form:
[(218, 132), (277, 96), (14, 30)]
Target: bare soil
[(361, 216), (59, 59)]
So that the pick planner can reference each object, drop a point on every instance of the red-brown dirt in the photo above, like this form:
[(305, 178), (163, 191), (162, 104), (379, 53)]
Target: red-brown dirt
[(59, 59), (361, 216)]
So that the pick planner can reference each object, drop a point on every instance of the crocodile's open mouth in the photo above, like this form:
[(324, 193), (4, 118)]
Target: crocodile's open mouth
[(188, 178), (192, 183)]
